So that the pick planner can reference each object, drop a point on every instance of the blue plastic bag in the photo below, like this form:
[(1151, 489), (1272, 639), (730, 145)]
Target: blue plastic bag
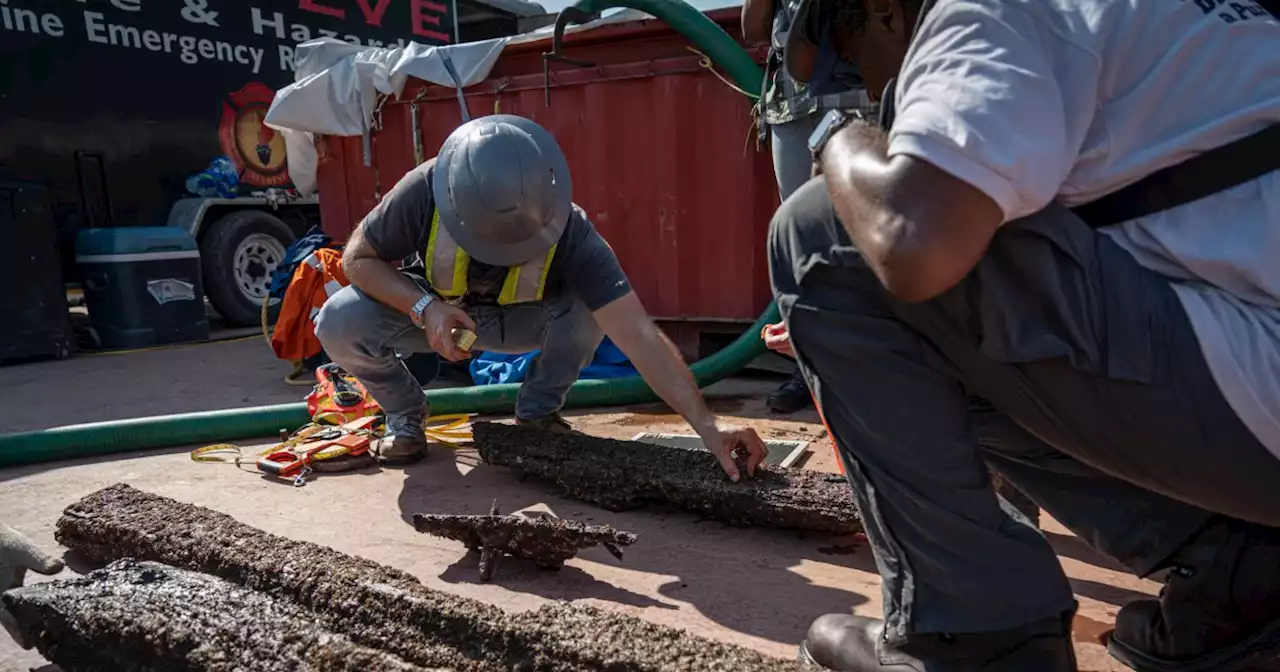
[(219, 180), (492, 368)]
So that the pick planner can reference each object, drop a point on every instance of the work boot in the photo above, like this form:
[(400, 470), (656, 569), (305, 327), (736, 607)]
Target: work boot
[(549, 423), (854, 644), (1219, 609), (791, 396), (405, 441)]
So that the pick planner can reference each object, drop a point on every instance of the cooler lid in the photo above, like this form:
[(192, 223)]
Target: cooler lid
[(135, 240)]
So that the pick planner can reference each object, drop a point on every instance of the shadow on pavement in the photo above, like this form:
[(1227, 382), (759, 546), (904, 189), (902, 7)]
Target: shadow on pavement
[(742, 397), (567, 583), (21, 471), (742, 579), (1075, 548), (1103, 592)]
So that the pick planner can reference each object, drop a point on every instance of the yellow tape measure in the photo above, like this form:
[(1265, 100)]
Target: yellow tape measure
[(464, 339)]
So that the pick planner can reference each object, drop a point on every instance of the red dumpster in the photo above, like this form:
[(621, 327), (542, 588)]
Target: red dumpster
[(660, 152)]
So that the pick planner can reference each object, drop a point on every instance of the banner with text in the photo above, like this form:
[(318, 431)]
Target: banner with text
[(160, 87)]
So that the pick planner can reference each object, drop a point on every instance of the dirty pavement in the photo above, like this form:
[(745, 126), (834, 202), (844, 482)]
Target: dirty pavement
[(748, 587)]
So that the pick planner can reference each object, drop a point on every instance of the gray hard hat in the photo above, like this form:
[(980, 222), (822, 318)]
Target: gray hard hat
[(502, 189)]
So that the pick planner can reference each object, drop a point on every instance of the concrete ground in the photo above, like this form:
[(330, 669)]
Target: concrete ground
[(757, 588)]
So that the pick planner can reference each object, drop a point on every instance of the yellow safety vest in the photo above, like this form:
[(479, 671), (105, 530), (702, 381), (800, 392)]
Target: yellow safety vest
[(447, 264)]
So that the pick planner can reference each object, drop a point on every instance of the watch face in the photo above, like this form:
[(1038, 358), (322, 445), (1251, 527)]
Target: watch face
[(829, 122)]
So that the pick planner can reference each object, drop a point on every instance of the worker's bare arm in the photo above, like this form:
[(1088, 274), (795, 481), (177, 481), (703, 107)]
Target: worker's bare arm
[(386, 284), (757, 21), (377, 278), (654, 355), (397, 228), (920, 229)]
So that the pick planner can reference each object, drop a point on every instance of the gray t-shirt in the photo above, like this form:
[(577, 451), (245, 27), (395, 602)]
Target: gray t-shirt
[(584, 264)]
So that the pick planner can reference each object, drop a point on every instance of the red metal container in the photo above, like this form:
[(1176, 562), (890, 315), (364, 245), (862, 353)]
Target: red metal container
[(659, 148)]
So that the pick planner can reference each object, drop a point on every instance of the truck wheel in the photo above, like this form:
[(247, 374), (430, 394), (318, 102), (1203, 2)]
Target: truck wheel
[(238, 255)]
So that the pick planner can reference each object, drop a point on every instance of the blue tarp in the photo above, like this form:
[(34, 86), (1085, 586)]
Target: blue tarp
[(491, 368)]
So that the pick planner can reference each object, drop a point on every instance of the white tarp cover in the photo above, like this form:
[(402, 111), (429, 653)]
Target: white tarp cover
[(337, 84)]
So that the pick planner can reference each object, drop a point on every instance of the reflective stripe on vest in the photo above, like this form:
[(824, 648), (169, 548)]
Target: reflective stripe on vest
[(447, 265)]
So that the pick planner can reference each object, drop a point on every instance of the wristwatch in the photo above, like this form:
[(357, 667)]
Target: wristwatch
[(832, 121), (418, 313)]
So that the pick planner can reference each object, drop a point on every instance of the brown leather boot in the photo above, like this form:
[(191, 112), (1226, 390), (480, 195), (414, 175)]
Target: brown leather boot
[(854, 644), (1219, 609), (405, 441), (549, 423)]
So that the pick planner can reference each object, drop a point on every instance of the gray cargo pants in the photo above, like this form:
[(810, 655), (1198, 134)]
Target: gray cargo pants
[(1060, 362), (792, 160), (363, 336)]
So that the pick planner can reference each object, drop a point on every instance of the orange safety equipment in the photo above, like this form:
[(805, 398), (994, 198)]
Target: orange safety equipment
[(294, 458), (317, 278), (339, 397)]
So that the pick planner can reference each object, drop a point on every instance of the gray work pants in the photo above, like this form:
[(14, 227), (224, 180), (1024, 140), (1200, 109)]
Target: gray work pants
[(792, 160), (1060, 362), (363, 337)]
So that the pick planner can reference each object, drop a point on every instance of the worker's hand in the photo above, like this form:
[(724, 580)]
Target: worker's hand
[(727, 441), (778, 339), (17, 555), (441, 319)]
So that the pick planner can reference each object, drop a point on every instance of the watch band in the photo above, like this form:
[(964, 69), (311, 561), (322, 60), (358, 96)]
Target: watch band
[(832, 121), (418, 312)]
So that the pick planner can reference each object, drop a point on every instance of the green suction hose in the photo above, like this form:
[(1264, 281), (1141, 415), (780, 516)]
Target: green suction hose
[(704, 33), (116, 436)]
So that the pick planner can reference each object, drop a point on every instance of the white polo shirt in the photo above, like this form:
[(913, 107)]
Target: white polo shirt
[(1036, 100)]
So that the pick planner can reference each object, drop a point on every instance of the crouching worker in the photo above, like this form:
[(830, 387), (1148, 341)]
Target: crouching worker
[(1062, 260), (506, 254)]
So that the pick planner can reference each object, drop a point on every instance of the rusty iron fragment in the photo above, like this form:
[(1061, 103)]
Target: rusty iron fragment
[(547, 541), (620, 475), (148, 616), (382, 608)]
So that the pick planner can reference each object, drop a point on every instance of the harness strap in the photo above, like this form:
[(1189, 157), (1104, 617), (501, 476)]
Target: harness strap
[(1214, 171)]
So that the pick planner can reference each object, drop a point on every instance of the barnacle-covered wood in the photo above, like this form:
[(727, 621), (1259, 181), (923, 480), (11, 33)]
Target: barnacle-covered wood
[(619, 475), (546, 541), (380, 607), (148, 616)]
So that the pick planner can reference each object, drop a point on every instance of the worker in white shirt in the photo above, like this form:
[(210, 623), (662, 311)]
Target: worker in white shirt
[(1056, 253)]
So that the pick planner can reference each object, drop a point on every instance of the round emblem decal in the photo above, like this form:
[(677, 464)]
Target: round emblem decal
[(257, 149)]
